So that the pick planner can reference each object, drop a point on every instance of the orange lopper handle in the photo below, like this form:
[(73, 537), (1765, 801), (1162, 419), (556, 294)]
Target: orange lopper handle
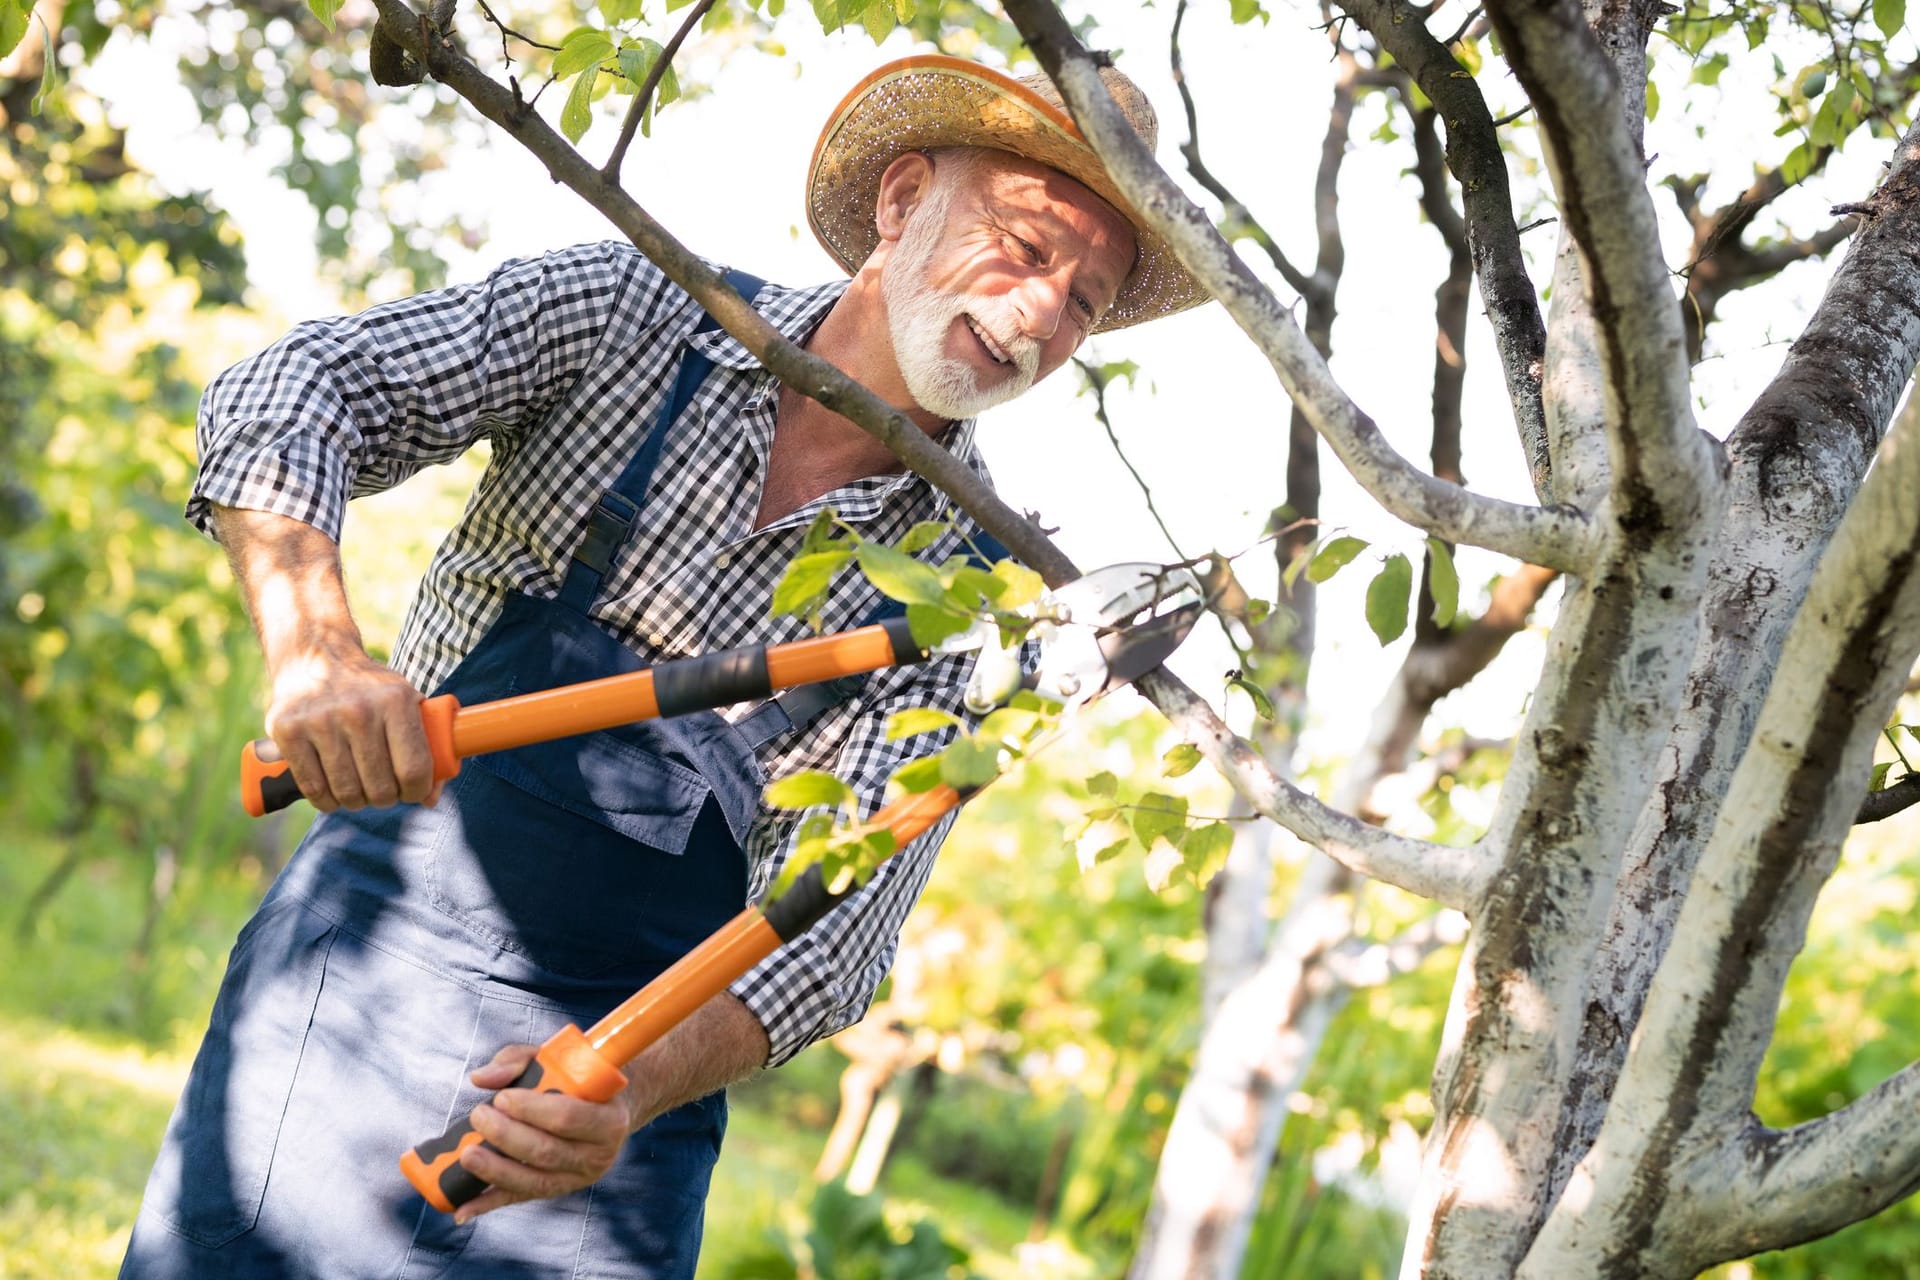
[(266, 783), (587, 1064)]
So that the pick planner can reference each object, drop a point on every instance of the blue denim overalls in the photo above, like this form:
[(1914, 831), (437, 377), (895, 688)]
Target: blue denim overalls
[(402, 947)]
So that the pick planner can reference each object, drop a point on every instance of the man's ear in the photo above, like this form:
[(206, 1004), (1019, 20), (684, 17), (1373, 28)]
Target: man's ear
[(903, 186)]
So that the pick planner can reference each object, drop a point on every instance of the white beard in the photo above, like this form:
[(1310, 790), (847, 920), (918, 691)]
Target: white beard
[(919, 318)]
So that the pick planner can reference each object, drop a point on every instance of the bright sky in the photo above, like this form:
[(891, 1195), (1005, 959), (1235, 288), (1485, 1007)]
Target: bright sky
[(1207, 423)]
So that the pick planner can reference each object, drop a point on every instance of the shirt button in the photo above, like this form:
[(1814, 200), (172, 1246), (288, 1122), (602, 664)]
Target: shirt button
[(722, 560), (657, 639)]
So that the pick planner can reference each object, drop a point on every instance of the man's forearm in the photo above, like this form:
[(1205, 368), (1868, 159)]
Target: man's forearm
[(291, 581), (720, 1044)]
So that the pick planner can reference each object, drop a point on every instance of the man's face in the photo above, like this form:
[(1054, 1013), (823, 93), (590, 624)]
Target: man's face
[(1003, 269)]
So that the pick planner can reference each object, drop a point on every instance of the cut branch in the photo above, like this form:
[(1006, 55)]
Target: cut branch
[(1555, 537), (805, 373)]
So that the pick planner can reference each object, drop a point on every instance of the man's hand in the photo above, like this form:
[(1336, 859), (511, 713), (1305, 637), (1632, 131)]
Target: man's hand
[(350, 731), (549, 1144), (349, 728)]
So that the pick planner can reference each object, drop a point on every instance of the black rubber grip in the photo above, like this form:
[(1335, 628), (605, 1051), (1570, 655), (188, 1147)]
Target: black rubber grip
[(711, 680), (800, 908), (900, 635), (279, 790), (458, 1183)]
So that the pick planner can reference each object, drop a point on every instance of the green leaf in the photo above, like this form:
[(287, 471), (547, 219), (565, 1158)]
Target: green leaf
[(1203, 844), (1798, 164), (1879, 780), (1333, 557), (324, 10), (1023, 584), (1103, 783), (585, 47), (47, 64), (1889, 16), (923, 535), (1112, 851), (1443, 582), (900, 577), (1179, 760), (1653, 98), (1156, 815), (970, 763), (970, 585), (930, 624), (804, 585), (879, 19), (1387, 598), (577, 114), (822, 533), (618, 11), (13, 23), (1159, 866), (1262, 704), (917, 720), (920, 775), (1245, 11), (806, 789)]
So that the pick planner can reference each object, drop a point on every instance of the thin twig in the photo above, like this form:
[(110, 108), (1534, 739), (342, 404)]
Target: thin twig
[(643, 100), (506, 31)]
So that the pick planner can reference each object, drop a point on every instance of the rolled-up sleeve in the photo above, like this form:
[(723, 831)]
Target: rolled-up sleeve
[(354, 404), (823, 980)]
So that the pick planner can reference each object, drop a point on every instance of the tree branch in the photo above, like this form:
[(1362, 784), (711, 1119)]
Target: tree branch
[(806, 373), (1555, 537), (1884, 803), (1480, 167), (1662, 468), (1453, 877), (643, 100), (1236, 219), (1805, 1182)]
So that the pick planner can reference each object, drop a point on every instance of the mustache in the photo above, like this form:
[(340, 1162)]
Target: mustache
[(1022, 351)]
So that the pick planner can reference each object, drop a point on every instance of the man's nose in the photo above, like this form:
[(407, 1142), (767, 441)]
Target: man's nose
[(1041, 299)]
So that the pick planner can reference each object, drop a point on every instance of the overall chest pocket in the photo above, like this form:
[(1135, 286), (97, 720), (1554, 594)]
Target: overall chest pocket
[(577, 854)]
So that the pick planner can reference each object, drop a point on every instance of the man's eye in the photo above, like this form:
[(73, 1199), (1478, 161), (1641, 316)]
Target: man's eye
[(1086, 307), (1027, 248)]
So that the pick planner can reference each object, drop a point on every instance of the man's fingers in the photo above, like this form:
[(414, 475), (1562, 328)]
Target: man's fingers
[(308, 773), (505, 1067), (411, 756), (527, 1159), (564, 1116)]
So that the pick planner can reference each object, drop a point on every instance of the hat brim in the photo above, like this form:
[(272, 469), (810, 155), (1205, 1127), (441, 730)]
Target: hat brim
[(932, 100)]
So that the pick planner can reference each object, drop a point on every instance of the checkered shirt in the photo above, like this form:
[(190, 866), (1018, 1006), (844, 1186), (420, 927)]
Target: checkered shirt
[(562, 364)]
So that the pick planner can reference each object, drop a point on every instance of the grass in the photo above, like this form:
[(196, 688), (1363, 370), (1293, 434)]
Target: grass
[(93, 1054)]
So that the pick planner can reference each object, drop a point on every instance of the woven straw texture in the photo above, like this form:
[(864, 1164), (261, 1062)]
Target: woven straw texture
[(937, 101)]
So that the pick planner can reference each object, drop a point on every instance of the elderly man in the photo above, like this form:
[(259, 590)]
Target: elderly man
[(648, 483)]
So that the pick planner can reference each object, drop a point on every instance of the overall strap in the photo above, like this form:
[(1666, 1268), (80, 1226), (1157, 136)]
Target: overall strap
[(801, 706), (614, 514)]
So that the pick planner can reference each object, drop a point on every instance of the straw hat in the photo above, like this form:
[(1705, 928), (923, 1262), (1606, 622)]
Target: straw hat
[(932, 100)]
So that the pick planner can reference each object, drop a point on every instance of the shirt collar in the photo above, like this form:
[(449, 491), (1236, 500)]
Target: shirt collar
[(796, 313)]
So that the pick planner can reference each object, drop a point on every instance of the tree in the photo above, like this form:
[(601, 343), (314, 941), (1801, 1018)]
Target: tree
[(1737, 621)]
